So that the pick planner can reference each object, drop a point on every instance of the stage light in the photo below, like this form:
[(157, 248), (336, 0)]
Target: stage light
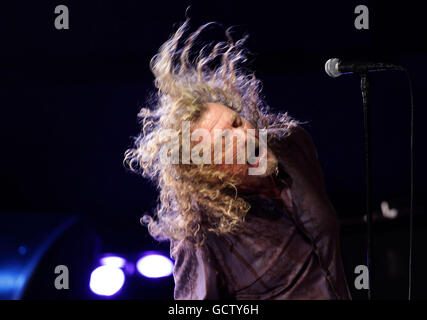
[(113, 261), (388, 212), (154, 266), (106, 280)]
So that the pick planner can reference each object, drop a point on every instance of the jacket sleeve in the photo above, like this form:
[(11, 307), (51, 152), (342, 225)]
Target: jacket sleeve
[(310, 206), (196, 272), (306, 190)]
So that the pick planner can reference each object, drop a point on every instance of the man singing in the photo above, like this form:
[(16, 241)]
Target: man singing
[(234, 234)]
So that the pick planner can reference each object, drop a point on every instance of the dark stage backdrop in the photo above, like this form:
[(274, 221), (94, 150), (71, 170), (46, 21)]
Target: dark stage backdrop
[(69, 100)]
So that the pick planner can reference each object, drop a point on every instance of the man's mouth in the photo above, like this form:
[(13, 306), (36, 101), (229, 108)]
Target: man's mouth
[(256, 155), (257, 149)]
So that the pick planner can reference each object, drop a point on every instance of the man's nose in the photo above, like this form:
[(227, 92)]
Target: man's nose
[(240, 131)]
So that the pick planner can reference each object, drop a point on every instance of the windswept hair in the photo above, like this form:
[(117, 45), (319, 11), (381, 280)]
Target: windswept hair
[(196, 199)]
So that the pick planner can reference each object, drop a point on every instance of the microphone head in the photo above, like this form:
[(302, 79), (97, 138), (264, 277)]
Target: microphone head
[(331, 67)]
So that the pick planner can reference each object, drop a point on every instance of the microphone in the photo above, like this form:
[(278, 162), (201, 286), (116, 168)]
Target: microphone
[(335, 67)]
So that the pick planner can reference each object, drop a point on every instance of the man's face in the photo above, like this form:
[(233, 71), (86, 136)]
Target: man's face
[(218, 117)]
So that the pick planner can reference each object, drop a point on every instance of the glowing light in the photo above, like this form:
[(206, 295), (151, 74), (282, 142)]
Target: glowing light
[(388, 212), (106, 280), (154, 266), (113, 261)]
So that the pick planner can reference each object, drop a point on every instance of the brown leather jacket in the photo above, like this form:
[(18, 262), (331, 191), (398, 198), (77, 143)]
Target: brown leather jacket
[(285, 252)]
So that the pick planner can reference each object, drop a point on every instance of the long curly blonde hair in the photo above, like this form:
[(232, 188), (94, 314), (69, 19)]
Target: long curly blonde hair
[(196, 199)]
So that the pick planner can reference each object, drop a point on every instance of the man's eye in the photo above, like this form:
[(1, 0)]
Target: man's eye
[(237, 122)]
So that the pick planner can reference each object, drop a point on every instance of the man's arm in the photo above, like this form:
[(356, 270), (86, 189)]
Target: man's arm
[(310, 206), (305, 191), (196, 273)]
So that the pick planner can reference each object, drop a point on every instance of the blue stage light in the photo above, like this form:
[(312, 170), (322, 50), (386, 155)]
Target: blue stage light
[(113, 261), (154, 265), (106, 280)]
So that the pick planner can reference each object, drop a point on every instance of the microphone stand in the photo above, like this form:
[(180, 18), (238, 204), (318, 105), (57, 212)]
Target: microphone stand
[(364, 85), (334, 69)]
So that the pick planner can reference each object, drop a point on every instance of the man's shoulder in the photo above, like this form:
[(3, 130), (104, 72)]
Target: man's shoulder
[(189, 244)]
